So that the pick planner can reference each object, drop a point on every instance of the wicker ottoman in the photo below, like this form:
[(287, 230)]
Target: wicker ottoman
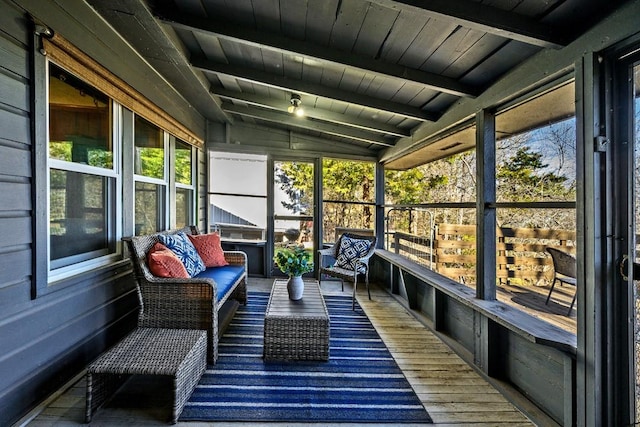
[(296, 330), (177, 353)]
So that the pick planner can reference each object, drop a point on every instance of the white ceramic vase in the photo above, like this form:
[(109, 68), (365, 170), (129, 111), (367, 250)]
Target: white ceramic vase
[(295, 286)]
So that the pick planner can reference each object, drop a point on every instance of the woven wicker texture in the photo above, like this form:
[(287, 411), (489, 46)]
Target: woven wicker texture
[(182, 303), (296, 330), (177, 353)]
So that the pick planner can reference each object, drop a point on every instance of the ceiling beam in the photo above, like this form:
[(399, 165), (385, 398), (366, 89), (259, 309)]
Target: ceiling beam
[(305, 87), (489, 19), (315, 113), (305, 123), (289, 46)]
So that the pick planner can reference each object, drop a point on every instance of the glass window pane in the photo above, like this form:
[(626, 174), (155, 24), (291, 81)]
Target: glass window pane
[(346, 180), (524, 268), (150, 202), (448, 180), (149, 149), (79, 213), (238, 198), (538, 165), (238, 217), (183, 163), (184, 202), (536, 162), (238, 174), (346, 186), (79, 130), (345, 215)]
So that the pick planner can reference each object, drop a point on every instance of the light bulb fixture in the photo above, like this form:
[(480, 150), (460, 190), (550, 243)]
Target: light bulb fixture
[(295, 107)]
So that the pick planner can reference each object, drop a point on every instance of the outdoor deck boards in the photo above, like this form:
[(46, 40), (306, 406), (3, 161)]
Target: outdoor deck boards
[(450, 390), (531, 299)]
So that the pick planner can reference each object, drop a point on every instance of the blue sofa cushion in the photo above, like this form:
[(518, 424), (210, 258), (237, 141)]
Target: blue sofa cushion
[(224, 277), (181, 245)]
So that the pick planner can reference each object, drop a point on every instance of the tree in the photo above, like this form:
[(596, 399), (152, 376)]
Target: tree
[(296, 180), (521, 178)]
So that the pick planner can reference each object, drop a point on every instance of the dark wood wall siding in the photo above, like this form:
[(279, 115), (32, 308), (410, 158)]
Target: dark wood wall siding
[(458, 321), (44, 341), (15, 163), (541, 373), (522, 362), (47, 340)]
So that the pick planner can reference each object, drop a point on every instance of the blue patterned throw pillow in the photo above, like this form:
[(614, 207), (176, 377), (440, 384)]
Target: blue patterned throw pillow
[(350, 250), (184, 249)]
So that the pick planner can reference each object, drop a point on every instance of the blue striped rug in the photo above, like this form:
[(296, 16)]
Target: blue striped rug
[(360, 383)]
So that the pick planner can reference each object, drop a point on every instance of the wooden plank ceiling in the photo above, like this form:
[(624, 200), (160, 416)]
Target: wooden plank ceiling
[(368, 72)]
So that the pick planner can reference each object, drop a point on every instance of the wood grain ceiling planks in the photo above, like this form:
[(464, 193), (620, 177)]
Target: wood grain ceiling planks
[(397, 63)]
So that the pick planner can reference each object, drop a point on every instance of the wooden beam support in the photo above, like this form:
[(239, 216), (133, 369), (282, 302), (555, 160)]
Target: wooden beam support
[(304, 87), (489, 19), (543, 67), (485, 210), (289, 46), (304, 123), (315, 113)]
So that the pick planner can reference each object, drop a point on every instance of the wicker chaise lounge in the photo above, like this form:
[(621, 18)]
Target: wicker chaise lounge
[(191, 303)]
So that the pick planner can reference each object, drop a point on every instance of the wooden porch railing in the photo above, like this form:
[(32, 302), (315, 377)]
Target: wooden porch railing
[(521, 252)]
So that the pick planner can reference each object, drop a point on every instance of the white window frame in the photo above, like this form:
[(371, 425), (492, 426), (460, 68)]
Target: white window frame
[(165, 211), (191, 187), (114, 210)]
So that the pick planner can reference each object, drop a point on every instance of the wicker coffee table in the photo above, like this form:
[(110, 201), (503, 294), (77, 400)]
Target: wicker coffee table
[(296, 330), (176, 353)]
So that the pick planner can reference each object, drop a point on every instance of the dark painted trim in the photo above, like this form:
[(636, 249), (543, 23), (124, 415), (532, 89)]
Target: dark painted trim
[(485, 212), (39, 187)]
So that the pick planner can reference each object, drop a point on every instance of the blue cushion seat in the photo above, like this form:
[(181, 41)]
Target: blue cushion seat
[(224, 277)]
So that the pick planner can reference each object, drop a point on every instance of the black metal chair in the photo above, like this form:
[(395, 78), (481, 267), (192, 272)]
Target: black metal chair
[(564, 266), (359, 265)]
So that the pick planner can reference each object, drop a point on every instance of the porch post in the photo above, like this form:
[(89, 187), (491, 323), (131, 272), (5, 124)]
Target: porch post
[(380, 223), (485, 205), (591, 246)]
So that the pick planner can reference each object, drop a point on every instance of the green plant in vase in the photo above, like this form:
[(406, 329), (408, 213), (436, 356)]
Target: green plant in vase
[(294, 263)]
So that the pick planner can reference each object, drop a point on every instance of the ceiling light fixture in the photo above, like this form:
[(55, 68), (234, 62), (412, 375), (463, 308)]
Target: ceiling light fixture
[(295, 107)]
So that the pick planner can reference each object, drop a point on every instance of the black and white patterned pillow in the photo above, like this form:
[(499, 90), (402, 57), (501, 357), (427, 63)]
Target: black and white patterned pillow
[(349, 252), (184, 249)]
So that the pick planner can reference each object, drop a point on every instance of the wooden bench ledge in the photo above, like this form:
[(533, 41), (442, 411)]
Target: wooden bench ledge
[(517, 321)]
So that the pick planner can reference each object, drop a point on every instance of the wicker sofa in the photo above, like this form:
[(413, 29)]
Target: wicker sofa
[(192, 303)]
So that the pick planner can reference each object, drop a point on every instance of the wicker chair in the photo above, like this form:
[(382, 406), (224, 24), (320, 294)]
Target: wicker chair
[(328, 256), (564, 265), (182, 303)]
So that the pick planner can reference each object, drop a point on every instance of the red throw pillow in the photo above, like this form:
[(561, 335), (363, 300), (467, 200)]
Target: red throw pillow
[(164, 263), (209, 248)]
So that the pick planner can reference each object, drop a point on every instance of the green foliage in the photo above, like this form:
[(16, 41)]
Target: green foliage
[(293, 262), (95, 156), (183, 166), (296, 180), (60, 150), (348, 180), (151, 162), (524, 177), (404, 187), (101, 158)]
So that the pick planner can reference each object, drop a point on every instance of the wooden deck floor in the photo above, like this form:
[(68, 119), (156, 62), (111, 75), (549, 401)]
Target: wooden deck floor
[(531, 299), (451, 391)]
